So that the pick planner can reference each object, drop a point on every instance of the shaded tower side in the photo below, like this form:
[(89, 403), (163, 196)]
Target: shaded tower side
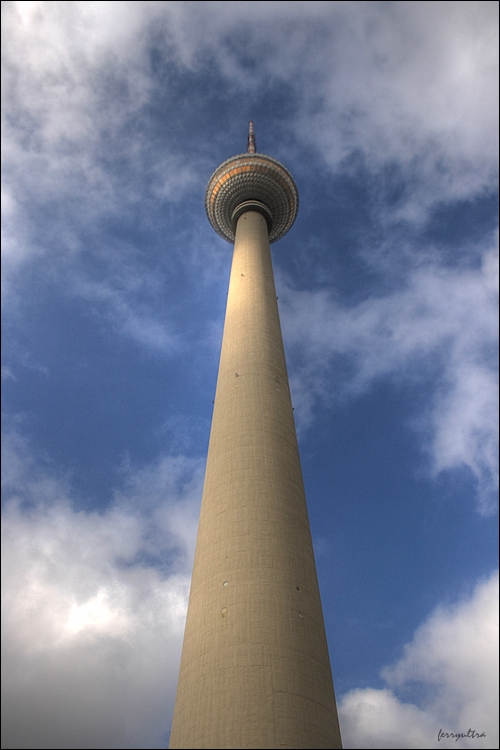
[(255, 670)]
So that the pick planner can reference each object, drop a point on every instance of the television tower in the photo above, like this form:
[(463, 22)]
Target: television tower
[(255, 670)]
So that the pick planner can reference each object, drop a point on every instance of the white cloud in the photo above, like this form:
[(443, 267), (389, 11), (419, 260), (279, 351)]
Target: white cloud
[(94, 605), (93, 613), (116, 302), (442, 326), (407, 85), (74, 78), (7, 373), (452, 666)]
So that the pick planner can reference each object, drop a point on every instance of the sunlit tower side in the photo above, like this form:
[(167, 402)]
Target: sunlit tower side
[(255, 670)]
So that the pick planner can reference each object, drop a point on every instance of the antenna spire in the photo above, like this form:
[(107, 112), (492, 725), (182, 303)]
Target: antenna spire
[(251, 148)]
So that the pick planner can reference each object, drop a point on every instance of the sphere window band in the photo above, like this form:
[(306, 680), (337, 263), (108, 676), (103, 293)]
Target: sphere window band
[(257, 178)]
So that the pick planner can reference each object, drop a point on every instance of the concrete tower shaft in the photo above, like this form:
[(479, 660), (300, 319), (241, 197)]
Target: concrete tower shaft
[(255, 670)]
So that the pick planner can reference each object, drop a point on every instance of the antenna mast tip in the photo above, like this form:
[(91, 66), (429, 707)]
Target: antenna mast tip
[(251, 147)]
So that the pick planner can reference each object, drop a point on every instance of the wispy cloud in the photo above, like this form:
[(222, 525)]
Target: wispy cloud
[(442, 327), (116, 304)]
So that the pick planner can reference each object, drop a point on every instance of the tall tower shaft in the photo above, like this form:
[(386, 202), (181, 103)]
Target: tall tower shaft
[(255, 670)]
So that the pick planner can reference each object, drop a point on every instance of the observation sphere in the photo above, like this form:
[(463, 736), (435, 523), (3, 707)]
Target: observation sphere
[(251, 182)]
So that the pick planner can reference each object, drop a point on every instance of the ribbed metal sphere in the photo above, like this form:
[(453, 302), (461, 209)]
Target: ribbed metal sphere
[(259, 181)]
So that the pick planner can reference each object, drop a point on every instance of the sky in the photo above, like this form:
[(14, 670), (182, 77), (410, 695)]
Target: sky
[(115, 115)]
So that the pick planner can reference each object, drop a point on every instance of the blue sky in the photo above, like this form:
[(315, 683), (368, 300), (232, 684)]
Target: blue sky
[(114, 286)]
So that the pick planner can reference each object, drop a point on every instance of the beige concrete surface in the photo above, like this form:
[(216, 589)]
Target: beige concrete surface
[(255, 670)]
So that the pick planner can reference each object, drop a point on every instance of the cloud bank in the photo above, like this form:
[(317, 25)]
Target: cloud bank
[(93, 605), (404, 86), (93, 614), (446, 680)]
